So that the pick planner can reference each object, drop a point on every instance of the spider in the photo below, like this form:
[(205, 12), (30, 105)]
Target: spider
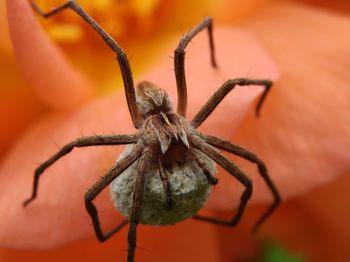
[(163, 135)]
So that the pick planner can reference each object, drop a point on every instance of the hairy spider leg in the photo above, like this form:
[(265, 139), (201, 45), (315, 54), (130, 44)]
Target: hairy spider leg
[(102, 183), (121, 56), (244, 153), (166, 184), (220, 94), (233, 170), (143, 165), (179, 61), (98, 140), (201, 163)]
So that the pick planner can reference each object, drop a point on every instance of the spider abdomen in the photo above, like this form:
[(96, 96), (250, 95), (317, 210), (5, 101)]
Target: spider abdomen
[(189, 189)]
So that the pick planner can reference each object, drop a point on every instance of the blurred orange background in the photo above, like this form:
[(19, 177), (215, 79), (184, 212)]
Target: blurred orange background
[(307, 40)]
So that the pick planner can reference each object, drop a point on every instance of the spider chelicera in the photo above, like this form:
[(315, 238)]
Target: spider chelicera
[(161, 134)]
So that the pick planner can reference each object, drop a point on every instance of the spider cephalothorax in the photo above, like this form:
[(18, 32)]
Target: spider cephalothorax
[(160, 124), (151, 100), (166, 149)]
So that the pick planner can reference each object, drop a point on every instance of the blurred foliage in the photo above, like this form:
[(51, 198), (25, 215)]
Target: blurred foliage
[(275, 252)]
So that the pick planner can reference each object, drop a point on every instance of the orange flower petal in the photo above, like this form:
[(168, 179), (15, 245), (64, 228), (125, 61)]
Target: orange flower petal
[(5, 42), (43, 65), (313, 226), (188, 241), (308, 223), (57, 216), (339, 6), (60, 203), (236, 10), (303, 135), (17, 110), (18, 105)]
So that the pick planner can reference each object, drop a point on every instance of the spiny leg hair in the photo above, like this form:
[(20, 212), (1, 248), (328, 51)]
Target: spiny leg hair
[(166, 184), (98, 140), (102, 183), (121, 56), (143, 164), (244, 153), (220, 94), (179, 61), (233, 170)]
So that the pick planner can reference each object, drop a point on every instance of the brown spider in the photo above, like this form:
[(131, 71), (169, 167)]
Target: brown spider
[(162, 136)]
